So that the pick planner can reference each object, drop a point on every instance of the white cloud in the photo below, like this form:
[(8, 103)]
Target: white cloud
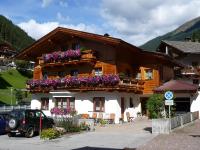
[(37, 30), (45, 3), (60, 17), (139, 20), (63, 3)]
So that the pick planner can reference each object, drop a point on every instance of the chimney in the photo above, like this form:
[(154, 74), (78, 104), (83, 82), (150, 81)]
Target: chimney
[(106, 35)]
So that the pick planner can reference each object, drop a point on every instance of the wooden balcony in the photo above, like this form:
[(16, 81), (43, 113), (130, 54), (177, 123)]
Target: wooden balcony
[(190, 70), (87, 56), (131, 85)]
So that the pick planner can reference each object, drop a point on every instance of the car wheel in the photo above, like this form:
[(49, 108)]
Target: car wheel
[(10, 134), (30, 132)]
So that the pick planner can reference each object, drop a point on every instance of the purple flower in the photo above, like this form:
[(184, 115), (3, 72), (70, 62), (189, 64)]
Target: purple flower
[(106, 80)]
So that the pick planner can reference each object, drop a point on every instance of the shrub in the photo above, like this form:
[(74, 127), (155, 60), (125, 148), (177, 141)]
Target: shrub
[(155, 106), (49, 134), (68, 125), (102, 122)]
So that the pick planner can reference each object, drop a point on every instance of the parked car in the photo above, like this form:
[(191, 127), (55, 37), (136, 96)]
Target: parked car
[(3, 121), (27, 122)]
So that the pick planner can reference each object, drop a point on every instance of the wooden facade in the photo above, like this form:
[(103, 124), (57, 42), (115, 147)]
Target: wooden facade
[(139, 71)]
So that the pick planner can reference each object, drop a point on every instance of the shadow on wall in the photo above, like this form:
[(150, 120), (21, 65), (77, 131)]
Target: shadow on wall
[(99, 148)]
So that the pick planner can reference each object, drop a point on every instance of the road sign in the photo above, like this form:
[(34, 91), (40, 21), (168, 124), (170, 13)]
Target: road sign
[(169, 95), (169, 102)]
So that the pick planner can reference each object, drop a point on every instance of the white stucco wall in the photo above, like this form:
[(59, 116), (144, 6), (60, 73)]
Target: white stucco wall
[(84, 102), (195, 102)]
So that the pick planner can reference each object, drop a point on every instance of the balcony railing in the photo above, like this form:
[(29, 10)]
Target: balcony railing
[(190, 70), (95, 83), (67, 57)]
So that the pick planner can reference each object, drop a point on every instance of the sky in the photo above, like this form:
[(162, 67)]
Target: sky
[(135, 21)]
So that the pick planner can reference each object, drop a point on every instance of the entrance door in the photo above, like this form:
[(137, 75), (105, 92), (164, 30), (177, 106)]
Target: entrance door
[(182, 104), (143, 101), (122, 107)]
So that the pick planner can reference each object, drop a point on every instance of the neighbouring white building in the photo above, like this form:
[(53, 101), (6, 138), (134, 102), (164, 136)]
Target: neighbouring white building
[(187, 53)]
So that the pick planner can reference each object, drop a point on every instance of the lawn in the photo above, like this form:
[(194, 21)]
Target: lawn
[(10, 79)]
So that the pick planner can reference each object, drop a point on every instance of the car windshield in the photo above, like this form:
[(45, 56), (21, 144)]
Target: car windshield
[(17, 114)]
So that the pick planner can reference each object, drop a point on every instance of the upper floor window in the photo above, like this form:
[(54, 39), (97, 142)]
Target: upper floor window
[(75, 46), (61, 74), (45, 76), (98, 72), (74, 72), (64, 47), (196, 81), (148, 74), (195, 63), (138, 76)]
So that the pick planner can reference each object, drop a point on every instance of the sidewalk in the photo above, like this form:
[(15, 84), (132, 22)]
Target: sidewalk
[(187, 138)]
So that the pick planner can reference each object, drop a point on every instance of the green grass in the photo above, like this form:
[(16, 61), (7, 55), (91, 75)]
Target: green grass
[(8, 79)]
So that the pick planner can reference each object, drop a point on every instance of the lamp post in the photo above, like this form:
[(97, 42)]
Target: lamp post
[(11, 91)]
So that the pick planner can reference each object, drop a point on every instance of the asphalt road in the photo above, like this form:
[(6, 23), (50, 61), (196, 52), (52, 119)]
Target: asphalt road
[(110, 137)]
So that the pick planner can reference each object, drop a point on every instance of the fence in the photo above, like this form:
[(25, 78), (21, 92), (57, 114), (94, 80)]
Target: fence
[(166, 125), (10, 108)]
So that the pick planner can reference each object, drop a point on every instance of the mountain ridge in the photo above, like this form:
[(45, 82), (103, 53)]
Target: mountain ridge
[(13, 35), (186, 30)]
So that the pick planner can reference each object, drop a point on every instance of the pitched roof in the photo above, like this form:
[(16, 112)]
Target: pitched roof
[(177, 86), (39, 47), (27, 52), (186, 47)]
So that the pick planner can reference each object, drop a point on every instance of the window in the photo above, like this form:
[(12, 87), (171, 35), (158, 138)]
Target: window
[(64, 48), (99, 104), (74, 73), (44, 103), (65, 102), (196, 81), (61, 74), (45, 76), (148, 74), (194, 63), (37, 114), (98, 72), (75, 46), (138, 76)]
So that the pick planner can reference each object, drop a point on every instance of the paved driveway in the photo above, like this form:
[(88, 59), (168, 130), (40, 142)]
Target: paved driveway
[(187, 138), (130, 135)]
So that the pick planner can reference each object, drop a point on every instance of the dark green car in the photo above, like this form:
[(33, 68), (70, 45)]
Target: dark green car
[(27, 122)]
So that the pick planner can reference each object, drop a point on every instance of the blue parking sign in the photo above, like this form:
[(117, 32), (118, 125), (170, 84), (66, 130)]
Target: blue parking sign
[(169, 95)]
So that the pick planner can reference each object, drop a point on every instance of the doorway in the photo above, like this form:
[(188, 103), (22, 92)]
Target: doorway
[(143, 101), (122, 108), (182, 104)]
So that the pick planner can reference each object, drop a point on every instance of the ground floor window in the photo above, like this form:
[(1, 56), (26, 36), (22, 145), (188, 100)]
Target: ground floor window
[(44, 103), (99, 103), (65, 102)]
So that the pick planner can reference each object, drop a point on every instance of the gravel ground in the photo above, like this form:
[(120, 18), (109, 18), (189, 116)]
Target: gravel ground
[(113, 137), (187, 138)]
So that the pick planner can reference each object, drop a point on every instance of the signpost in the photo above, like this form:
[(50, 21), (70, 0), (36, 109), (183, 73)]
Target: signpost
[(169, 100)]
